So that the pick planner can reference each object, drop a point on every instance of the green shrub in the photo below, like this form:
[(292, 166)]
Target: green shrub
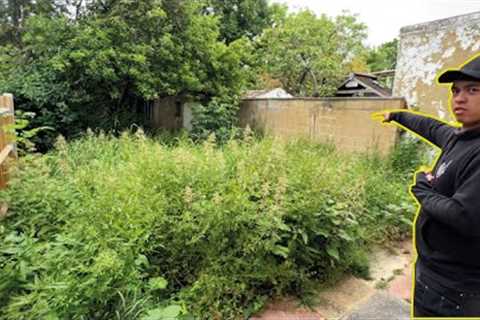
[(218, 117), (122, 228), (389, 211), (407, 156)]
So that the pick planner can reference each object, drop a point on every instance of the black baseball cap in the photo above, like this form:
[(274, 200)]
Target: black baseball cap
[(469, 71)]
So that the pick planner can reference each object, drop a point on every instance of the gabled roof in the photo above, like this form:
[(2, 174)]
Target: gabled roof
[(362, 83)]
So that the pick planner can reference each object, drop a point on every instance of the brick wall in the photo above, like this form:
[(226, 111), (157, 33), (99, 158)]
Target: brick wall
[(345, 122), (425, 50)]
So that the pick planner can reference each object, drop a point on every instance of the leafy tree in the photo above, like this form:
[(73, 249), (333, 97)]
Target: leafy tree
[(278, 13), (15, 13), (351, 34), (99, 69), (309, 54), (239, 18), (383, 57), (357, 64)]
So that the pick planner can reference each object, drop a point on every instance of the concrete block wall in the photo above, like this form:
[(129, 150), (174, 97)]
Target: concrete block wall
[(427, 49), (345, 122)]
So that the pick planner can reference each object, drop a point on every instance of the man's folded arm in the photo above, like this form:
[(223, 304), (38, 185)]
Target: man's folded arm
[(462, 210)]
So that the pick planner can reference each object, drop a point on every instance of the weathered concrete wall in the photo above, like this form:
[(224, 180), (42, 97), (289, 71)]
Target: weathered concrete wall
[(344, 121), (425, 50), (165, 114)]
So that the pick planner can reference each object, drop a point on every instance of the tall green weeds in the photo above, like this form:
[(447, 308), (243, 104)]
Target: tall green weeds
[(129, 228)]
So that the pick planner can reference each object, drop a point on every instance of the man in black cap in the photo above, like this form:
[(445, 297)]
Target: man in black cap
[(447, 227)]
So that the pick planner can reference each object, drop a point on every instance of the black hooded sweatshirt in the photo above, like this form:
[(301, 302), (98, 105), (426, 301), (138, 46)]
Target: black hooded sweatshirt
[(447, 229)]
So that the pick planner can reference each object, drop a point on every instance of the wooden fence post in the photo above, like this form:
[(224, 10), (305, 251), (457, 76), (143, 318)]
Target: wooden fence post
[(7, 137)]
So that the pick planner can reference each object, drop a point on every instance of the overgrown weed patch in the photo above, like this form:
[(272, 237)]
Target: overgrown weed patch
[(130, 228)]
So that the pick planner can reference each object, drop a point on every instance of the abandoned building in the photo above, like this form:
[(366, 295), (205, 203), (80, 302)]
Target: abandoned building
[(362, 85)]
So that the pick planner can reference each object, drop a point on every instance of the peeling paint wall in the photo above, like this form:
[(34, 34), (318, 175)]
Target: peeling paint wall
[(427, 49)]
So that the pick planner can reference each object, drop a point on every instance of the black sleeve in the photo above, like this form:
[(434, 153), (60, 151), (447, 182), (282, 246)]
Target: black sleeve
[(429, 128), (462, 210)]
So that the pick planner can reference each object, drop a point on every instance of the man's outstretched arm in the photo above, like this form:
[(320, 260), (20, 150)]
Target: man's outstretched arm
[(433, 130)]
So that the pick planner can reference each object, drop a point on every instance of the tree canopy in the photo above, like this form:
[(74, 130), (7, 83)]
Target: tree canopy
[(240, 18), (383, 57), (309, 54), (98, 69)]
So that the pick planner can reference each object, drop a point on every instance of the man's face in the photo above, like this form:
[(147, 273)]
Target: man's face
[(466, 102)]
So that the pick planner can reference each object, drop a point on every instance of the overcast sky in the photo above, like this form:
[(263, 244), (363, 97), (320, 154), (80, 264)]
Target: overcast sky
[(385, 18)]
